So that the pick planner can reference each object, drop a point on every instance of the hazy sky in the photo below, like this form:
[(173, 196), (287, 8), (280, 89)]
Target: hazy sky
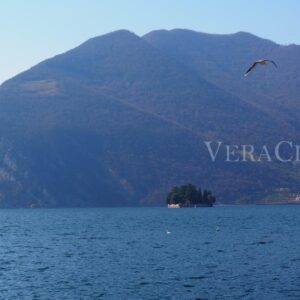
[(33, 30)]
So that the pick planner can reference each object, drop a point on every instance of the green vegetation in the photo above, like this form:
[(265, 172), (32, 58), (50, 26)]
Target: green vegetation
[(188, 195)]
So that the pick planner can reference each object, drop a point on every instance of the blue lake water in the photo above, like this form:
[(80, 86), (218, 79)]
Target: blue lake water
[(234, 252)]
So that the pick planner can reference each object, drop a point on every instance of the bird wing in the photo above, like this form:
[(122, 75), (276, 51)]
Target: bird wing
[(273, 62), (251, 68)]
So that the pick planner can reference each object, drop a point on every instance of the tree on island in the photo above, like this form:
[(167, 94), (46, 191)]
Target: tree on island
[(188, 195)]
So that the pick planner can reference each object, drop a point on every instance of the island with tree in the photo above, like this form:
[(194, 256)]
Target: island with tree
[(189, 195)]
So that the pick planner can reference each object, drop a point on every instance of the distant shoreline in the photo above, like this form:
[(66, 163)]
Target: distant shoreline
[(255, 204)]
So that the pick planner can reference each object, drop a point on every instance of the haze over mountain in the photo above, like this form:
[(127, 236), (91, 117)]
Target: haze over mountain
[(121, 118)]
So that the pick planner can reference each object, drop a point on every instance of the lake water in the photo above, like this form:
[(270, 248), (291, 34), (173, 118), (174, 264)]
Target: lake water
[(234, 252)]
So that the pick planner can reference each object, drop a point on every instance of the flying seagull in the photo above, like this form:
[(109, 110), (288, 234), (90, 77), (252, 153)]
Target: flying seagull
[(260, 62)]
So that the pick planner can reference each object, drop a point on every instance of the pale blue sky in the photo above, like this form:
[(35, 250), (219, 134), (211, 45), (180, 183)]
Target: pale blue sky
[(33, 30)]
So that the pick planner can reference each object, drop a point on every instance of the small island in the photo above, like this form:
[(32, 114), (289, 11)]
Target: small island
[(189, 195)]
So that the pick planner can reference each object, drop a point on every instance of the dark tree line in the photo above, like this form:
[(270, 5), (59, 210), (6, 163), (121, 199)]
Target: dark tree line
[(190, 195)]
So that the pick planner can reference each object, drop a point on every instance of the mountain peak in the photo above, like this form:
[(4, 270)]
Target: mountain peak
[(121, 33), (182, 32), (120, 36)]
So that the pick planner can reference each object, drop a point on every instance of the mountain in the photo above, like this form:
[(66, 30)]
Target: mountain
[(223, 59), (121, 118)]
